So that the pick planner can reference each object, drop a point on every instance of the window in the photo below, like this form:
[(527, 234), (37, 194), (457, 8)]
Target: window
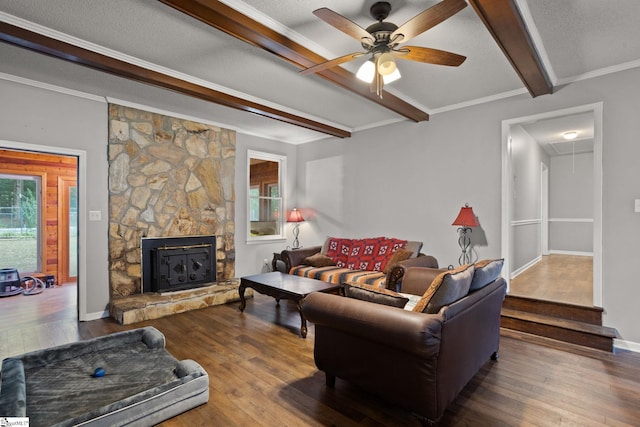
[(20, 224), (265, 202)]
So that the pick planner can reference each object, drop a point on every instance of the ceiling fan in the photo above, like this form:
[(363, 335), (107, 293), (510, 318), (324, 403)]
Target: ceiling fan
[(382, 38)]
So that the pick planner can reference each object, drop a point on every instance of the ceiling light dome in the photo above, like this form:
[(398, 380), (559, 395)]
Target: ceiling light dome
[(386, 64), (570, 135)]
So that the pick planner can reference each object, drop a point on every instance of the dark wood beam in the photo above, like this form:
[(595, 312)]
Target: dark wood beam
[(234, 23), (503, 20), (46, 45)]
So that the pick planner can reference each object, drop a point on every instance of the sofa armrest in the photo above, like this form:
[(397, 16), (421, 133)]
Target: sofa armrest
[(397, 272), (417, 333), (293, 257)]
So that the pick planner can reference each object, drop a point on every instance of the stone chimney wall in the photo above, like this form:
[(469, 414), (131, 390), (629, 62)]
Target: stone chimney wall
[(168, 177)]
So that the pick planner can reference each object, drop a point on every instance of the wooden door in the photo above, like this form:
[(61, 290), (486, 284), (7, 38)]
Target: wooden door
[(67, 229)]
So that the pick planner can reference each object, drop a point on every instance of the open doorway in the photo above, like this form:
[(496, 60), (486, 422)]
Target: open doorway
[(39, 232), (552, 205)]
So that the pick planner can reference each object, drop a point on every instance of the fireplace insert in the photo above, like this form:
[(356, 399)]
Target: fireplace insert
[(177, 263)]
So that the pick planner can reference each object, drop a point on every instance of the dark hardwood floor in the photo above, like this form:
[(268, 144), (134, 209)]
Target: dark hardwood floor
[(262, 373)]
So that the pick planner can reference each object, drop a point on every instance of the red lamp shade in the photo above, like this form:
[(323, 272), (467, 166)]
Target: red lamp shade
[(466, 217), (295, 216)]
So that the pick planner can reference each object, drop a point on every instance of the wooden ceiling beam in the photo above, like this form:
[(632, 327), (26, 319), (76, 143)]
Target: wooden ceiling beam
[(236, 24), (503, 20), (46, 45)]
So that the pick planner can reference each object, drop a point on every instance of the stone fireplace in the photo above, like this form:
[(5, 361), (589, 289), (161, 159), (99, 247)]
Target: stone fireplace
[(168, 178)]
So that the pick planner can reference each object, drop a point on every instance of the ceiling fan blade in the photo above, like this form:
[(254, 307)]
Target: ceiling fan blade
[(427, 19), (343, 24), (331, 63), (430, 56)]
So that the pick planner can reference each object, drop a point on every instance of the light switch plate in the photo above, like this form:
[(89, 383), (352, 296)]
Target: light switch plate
[(636, 206), (95, 216)]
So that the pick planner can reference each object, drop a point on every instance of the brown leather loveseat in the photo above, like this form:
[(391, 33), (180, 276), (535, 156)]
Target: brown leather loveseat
[(418, 361)]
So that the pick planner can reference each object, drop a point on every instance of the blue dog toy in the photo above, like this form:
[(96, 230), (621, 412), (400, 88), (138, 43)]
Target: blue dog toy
[(99, 372)]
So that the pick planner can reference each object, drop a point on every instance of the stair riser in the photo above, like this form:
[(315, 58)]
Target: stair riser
[(557, 333), (549, 308)]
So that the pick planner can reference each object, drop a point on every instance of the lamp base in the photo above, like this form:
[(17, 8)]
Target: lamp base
[(296, 232), (464, 241)]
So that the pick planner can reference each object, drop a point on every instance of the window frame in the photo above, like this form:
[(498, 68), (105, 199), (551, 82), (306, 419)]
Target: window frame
[(41, 179), (280, 221)]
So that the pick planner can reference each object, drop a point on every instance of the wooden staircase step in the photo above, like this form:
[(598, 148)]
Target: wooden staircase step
[(561, 329), (591, 315)]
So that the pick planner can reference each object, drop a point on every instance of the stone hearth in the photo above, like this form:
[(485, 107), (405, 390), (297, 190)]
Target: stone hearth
[(148, 306)]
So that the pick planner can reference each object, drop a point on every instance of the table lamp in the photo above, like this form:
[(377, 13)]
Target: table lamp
[(465, 219), (296, 218)]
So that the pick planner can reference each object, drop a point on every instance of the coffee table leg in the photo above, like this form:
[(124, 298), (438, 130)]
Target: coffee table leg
[(243, 302), (303, 321)]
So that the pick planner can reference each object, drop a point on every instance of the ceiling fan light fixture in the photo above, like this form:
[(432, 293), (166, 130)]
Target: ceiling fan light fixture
[(392, 77), (386, 64), (367, 71)]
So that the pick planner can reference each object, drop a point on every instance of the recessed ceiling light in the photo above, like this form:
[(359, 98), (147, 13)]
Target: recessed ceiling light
[(570, 135)]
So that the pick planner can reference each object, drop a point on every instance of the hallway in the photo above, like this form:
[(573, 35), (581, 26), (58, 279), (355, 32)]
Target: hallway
[(561, 278)]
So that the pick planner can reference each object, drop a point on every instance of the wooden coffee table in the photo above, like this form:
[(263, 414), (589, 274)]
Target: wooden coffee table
[(285, 286)]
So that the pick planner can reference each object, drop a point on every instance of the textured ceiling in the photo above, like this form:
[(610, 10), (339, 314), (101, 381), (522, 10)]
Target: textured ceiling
[(575, 39)]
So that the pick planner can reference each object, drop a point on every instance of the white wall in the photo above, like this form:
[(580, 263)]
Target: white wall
[(526, 158), (409, 180), (45, 118), (250, 257), (571, 204)]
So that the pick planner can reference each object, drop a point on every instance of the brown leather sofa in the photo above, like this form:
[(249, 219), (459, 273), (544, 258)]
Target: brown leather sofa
[(293, 257), (417, 361)]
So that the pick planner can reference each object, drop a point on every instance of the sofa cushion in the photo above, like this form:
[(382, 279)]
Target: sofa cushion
[(338, 275), (400, 254), (448, 287), (374, 294), (486, 271), (319, 260), (414, 247)]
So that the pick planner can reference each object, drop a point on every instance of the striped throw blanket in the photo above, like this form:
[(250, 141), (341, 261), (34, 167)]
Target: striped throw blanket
[(338, 275)]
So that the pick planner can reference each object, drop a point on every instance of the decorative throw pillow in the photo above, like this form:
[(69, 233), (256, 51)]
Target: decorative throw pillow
[(325, 245), (486, 272), (318, 260), (374, 294), (448, 287), (415, 247), (399, 255)]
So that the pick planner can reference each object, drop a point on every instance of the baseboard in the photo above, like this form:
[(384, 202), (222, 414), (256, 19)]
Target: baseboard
[(577, 253), (525, 267), (626, 345), (95, 316)]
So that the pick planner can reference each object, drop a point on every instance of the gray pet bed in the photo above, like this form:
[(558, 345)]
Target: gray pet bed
[(142, 386)]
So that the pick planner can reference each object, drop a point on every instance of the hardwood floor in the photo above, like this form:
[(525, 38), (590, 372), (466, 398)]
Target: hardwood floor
[(262, 373), (560, 278)]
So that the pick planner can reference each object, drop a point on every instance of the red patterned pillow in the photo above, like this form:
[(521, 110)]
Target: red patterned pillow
[(339, 250)]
